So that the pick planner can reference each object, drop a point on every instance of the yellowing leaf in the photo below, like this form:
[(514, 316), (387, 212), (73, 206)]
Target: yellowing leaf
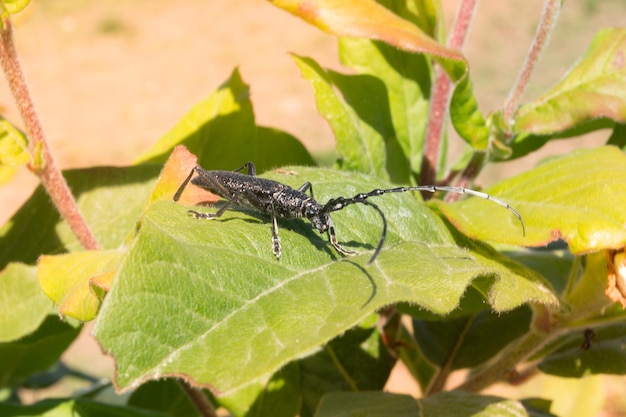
[(175, 171), (13, 150), (67, 280), (14, 6), (579, 198), (594, 88), (366, 19)]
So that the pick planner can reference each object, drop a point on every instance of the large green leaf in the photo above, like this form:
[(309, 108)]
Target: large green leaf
[(594, 88), (24, 307), (453, 404), (191, 290), (221, 131), (578, 198)]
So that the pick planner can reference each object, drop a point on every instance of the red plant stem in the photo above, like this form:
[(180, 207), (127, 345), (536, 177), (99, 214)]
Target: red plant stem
[(549, 15), (434, 130), (46, 168), (440, 97), (467, 176)]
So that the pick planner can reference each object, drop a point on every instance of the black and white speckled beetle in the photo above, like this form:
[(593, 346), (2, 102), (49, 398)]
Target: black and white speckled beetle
[(280, 200)]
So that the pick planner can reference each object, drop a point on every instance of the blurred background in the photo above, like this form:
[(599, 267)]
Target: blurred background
[(109, 78)]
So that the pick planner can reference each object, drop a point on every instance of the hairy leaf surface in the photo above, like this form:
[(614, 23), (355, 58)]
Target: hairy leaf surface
[(192, 290)]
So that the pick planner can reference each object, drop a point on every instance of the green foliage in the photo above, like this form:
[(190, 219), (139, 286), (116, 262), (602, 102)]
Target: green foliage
[(322, 297), (456, 286)]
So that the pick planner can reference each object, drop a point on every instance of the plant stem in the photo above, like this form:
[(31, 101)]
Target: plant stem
[(434, 130), (467, 176), (200, 401), (540, 333), (440, 98), (549, 15), (440, 378), (42, 162)]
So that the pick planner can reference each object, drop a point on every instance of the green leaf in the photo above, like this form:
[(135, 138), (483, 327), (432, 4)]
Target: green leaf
[(355, 361), (455, 403), (35, 352), (111, 200), (166, 396), (221, 131), (466, 342), (466, 117), (618, 137), (578, 198), (24, 307), (360, 145), (227, 297), (406, 78), (279, 395), (276, 148), (594, 88), (554, 265), (74, 408), (605, 354), (588, 295)]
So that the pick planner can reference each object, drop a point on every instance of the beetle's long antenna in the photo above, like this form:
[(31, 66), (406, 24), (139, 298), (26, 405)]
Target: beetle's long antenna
[(184, 184), (339, 203)]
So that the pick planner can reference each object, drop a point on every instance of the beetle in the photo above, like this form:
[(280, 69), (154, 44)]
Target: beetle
[(282, 201)]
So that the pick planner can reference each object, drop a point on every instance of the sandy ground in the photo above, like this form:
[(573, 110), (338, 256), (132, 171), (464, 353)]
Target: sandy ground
[(109, 78)]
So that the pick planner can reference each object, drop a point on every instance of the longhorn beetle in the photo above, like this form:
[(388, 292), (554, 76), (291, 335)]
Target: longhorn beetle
[(280, 200)]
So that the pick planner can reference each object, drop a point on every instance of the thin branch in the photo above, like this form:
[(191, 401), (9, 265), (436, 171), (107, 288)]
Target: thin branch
[(541, 332), (549, 15), (440, 378), (42, 161), (200, 401), (440, 97)]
